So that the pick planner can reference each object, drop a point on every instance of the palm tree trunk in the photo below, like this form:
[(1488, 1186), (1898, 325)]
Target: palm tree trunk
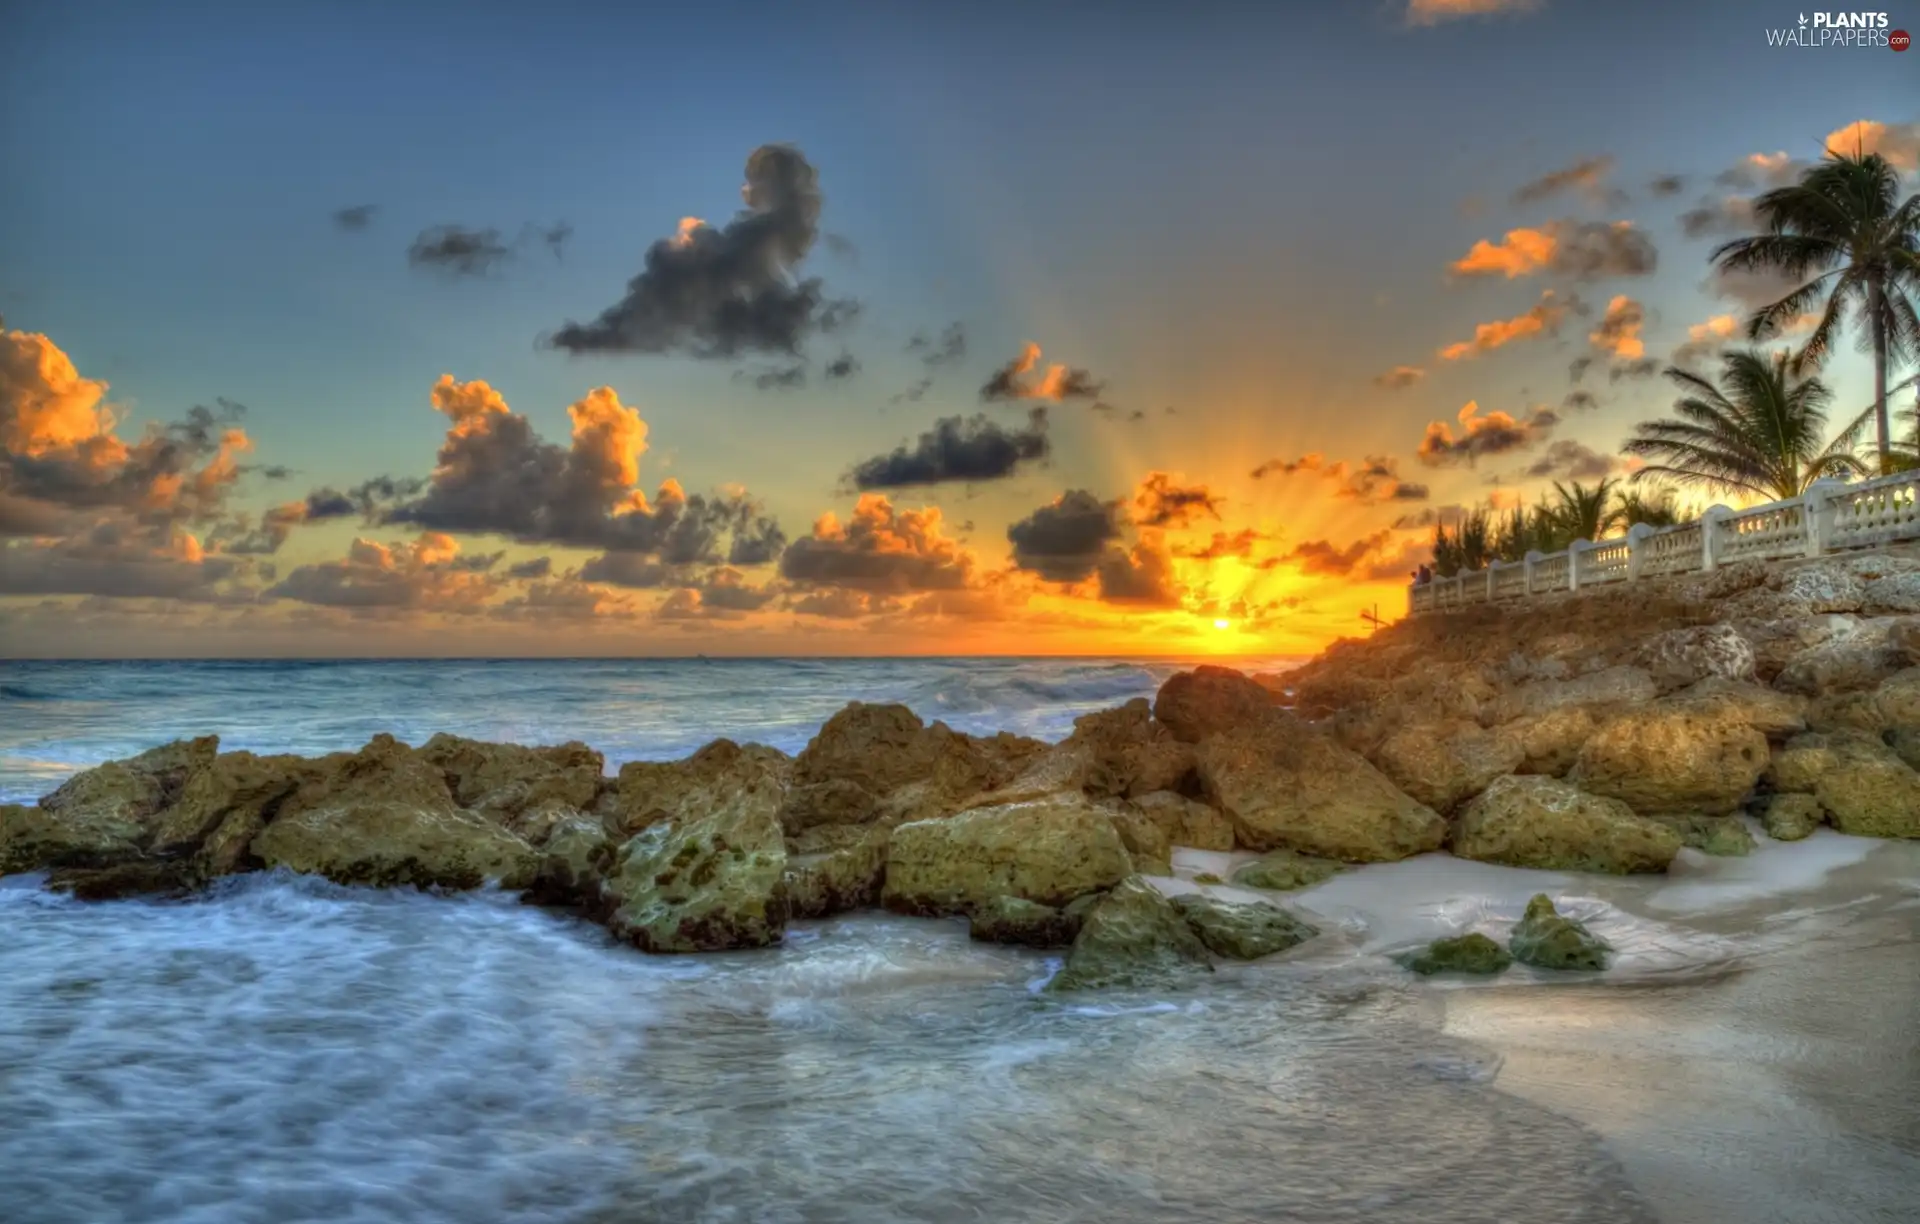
[(1877, 314)]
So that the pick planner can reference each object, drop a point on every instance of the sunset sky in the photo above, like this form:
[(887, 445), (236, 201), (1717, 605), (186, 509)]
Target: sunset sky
[(406, 329)]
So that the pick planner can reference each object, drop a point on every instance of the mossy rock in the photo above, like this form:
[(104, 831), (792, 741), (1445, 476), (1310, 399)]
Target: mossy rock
[(1242, 930), (1793, 817), (1135, 938), (1207, 877), (1473, 953), (1720, 836), (1546, 940), (1284, 871), (1012, 920)]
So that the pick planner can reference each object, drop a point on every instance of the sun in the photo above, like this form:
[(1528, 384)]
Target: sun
[(1223, 624)]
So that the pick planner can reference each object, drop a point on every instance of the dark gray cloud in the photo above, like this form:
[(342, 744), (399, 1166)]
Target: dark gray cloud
[(778, 378), (1723, 217), (841, 246), (1479, 435), (1139, 577), (915, 392), (1646, 367), (1580, 401), (719, 292), (1597, 250), (1586, 177), (1159, 502), (1566, 459), (1578, 367), (539, 567), (957, 451), (1667, 185), (555, 237), (113, 562), (458, 251), (881, 550), (357, 217), (945, 349), (625, 569), (1064, 540), (841, 368), (1023, 378)]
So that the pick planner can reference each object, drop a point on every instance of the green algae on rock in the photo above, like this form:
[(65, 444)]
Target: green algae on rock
[(1547, 940), (1011, 920), (1133, 937), (1720, 836), (1049, 850), (1242, 930), (702, 885), (835, 868), (1207, 877), (1470, 953), (1284, 871), (1792, 817), (1544, 823)]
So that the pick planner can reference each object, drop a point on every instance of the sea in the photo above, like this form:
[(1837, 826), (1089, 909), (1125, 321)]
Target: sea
[(283, 1049)]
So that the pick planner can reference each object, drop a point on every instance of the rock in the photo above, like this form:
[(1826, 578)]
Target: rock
[(1147, 843), (1605, 689), (1011, 920), (1855, 711), (1209, 700), (1673, 757), (835, 868), (1049, 850), (1133, 937), (1207, 877), (1776, 642), (1721, 836), (1472, 953), (573, 864), (1186, 822), (1906, 745), (1546, 940), (1772, 713), (702, 882), (1128, 753), (1286, 786), (384, 817), (1891, 593), (103, 815), (1898, 700), (507, 779), (1444, 766), (881, 763), (1864, 786), (721, 777), (1860, 660), (223, 807), (1284, 871), (1807, 590), (1682, 657), (1241, 930), (1550, 741), (1530, 821), (1793, 817)]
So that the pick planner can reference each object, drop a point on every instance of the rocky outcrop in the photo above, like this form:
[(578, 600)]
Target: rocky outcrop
[(1862, 785), (1546, 940), (1473, 953), (705, 881), (1673, 756), (1548, 824), (1720, 836), (1049, 850), (506, 780), (1597, 692), (881, 763), (1286, 786), (1682, 657), (1209, 700), (720, 779), (1133, 938), (1011, 920), (573, 863), (223, 807), (383, 816), (1444, 765), (1284, 871), (1186, 822), (835, 868), (1147, 843), (1242, 930), (104, 815)]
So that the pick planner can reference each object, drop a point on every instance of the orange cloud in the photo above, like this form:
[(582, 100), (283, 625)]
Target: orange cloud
[(1582, 250), (1373, 482), (1016, 381), (1899, 143), (1619, 329), (1398, 378), (425, 575), (1159, 502), (1544, 317), (46, 406), (1496, 433), (881, 549), (1521, 252), (1433, 12)]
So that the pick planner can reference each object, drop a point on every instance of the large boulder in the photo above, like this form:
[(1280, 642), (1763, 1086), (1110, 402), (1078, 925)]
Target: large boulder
[(1898, 700), (1863, 785), (1133, 938), (705, 881), (572, 865), (1209, 700), (1126, 752), (1792, 817), (223, 807), (1772, 713), (1598, 691), (1545, 939), (722, 777), (1011, 920), (1551, 740), (1286, 786), (1776, 642), (881, 763), (1857, 660), (1185, 821), (1540, 822), (1819, 587), (1148, 845), (1682, 657), (1049, 850), (1673, 756), (101, 815), (1443, 766), (835, 868), (506, 780), (383, 816), (1242, 930)]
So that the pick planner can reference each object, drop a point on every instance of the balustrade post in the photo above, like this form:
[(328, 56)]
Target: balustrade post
[(1533, 558), (1493, 569), (1821, 510), (1573, 563), (1636, 549), (1710, 535)]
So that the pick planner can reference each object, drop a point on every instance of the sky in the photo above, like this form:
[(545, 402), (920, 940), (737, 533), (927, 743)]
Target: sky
[(843, 328)]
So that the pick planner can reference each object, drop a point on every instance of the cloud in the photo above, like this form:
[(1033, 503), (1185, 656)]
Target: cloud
[(1141, 576), (1580, 401), (539, 567), (1373, 482), (1751, 289), (276, 523), (1578, 367), (1016, 380), (1724, 216), (1899, 143), (1433, 12), (1373, 558), (627, 569), (1566, 459), (458, 251), (1399, 377), (1064, 540), (358, 217), (880, 550), (1761, 170), (1587, 177), (1239, 544), (1544, 318), (555, 237), (1496, 433), (1618, 333), (1159, 502), (1667, 185), (787, 378), (1707, 338), (1432, 516), (957, 450), (423, 575), (945, 349), (723, 595), (717, 292), (841, 368), (1579, 250), (113, 562), (566, 599), (1646, 367)]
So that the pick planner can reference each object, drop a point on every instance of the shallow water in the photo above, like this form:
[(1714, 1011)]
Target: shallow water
[(284, 1049)]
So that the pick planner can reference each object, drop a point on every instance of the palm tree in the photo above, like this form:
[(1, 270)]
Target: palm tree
[(1581, 513), (1759, 431), (1656, 508), (1843, 220)]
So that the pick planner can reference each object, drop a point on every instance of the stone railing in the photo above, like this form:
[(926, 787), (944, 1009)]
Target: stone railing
[(1832, 516)]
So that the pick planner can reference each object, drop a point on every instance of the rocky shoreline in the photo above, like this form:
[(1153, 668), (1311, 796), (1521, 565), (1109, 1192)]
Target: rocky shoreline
[(1604, 731)]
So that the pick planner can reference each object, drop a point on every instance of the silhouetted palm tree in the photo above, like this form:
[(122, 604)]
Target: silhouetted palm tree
[(1654, 508), (1581, 513), (1759, 431), (1843, 221)]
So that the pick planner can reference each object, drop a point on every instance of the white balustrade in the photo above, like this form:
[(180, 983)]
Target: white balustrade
[(1832, 516)]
